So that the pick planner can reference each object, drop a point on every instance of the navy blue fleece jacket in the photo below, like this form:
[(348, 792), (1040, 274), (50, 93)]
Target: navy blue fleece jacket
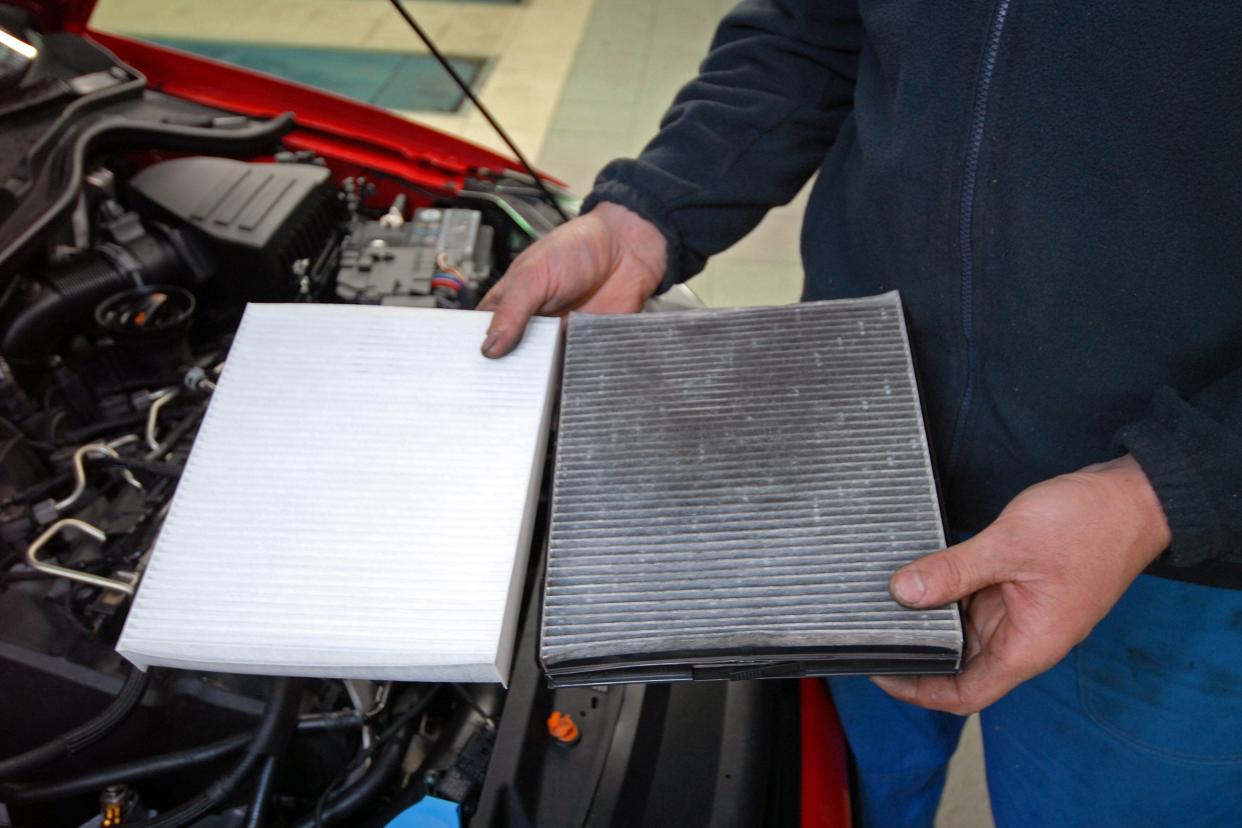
[(1054, 187)]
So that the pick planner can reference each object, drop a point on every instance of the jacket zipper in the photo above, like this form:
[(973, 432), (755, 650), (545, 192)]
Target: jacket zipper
[(974, 147)]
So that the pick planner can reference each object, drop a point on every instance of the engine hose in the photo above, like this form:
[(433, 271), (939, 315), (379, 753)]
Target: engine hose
[(259, 814), (69, 295), (176, 433), (275, 727), (153, 766), (86, 734), (127, 773), (391, 740), (361, 792), (73, 290)]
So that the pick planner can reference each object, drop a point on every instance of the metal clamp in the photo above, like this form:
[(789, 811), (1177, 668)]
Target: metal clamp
[(32, 556)]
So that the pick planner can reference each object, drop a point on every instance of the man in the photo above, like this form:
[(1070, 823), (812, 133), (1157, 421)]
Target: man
[(1056, 189)]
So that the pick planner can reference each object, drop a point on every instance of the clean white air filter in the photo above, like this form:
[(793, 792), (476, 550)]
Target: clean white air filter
[(358, 502)]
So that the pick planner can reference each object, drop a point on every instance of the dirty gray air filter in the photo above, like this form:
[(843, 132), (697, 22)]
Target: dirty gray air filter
[(733, 490)]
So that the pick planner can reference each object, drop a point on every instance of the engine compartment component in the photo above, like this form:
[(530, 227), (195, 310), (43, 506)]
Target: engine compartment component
[(254, 222), (440, 256), (151, 324), (128, 253)]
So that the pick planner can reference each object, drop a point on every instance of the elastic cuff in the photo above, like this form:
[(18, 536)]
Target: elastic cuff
[(1186, 501), (681, 263)]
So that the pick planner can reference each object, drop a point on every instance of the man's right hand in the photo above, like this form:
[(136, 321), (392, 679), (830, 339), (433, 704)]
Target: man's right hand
[(607, 261)]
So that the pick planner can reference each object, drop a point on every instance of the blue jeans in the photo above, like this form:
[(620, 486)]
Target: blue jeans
[(1139, 725)]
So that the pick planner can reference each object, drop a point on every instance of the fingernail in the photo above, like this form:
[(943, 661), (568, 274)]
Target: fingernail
[(908, 587), (490, 342)]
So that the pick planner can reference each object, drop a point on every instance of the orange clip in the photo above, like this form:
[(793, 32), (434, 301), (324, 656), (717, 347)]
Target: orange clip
[(563, 728)]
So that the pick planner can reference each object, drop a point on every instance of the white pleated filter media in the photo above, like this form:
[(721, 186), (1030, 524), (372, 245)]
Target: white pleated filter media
[(358, 502)]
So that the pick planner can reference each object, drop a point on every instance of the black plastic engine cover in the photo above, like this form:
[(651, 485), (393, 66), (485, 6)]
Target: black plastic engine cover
[(253, 220)]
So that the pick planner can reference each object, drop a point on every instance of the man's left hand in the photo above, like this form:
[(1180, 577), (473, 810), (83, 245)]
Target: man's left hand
[(1035, 582)]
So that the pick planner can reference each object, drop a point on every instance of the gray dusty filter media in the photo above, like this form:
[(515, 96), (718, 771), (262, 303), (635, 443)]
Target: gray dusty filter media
[(732, 491)]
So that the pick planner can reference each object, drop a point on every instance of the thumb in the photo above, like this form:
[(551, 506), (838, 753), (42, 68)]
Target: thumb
[(948, 575), (512, 310)]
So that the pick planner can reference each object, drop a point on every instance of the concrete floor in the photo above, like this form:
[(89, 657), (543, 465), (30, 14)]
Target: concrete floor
[(965, 801), (577, 83)]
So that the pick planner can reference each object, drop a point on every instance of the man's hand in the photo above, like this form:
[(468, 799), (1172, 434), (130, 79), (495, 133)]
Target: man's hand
[(607, 261), (1035, 582)]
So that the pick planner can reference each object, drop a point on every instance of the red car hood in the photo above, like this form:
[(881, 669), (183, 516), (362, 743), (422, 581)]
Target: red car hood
[(61, 15), (354, 134)]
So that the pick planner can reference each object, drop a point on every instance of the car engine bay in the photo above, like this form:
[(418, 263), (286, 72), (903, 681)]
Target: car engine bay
[(134, 228)]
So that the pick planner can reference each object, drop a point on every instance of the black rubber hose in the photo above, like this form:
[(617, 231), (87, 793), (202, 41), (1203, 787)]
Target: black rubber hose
[(174, 435), (38, 490), (334, 804), (86, 734), (73, 291), (259, 814), (279, 717), (87, 433), (356, 796), (140, 769), (151, 466), (128, 772)]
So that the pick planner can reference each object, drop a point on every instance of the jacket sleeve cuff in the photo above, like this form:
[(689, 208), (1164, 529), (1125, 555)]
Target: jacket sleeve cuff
[(682, 262), (1164, 448)]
